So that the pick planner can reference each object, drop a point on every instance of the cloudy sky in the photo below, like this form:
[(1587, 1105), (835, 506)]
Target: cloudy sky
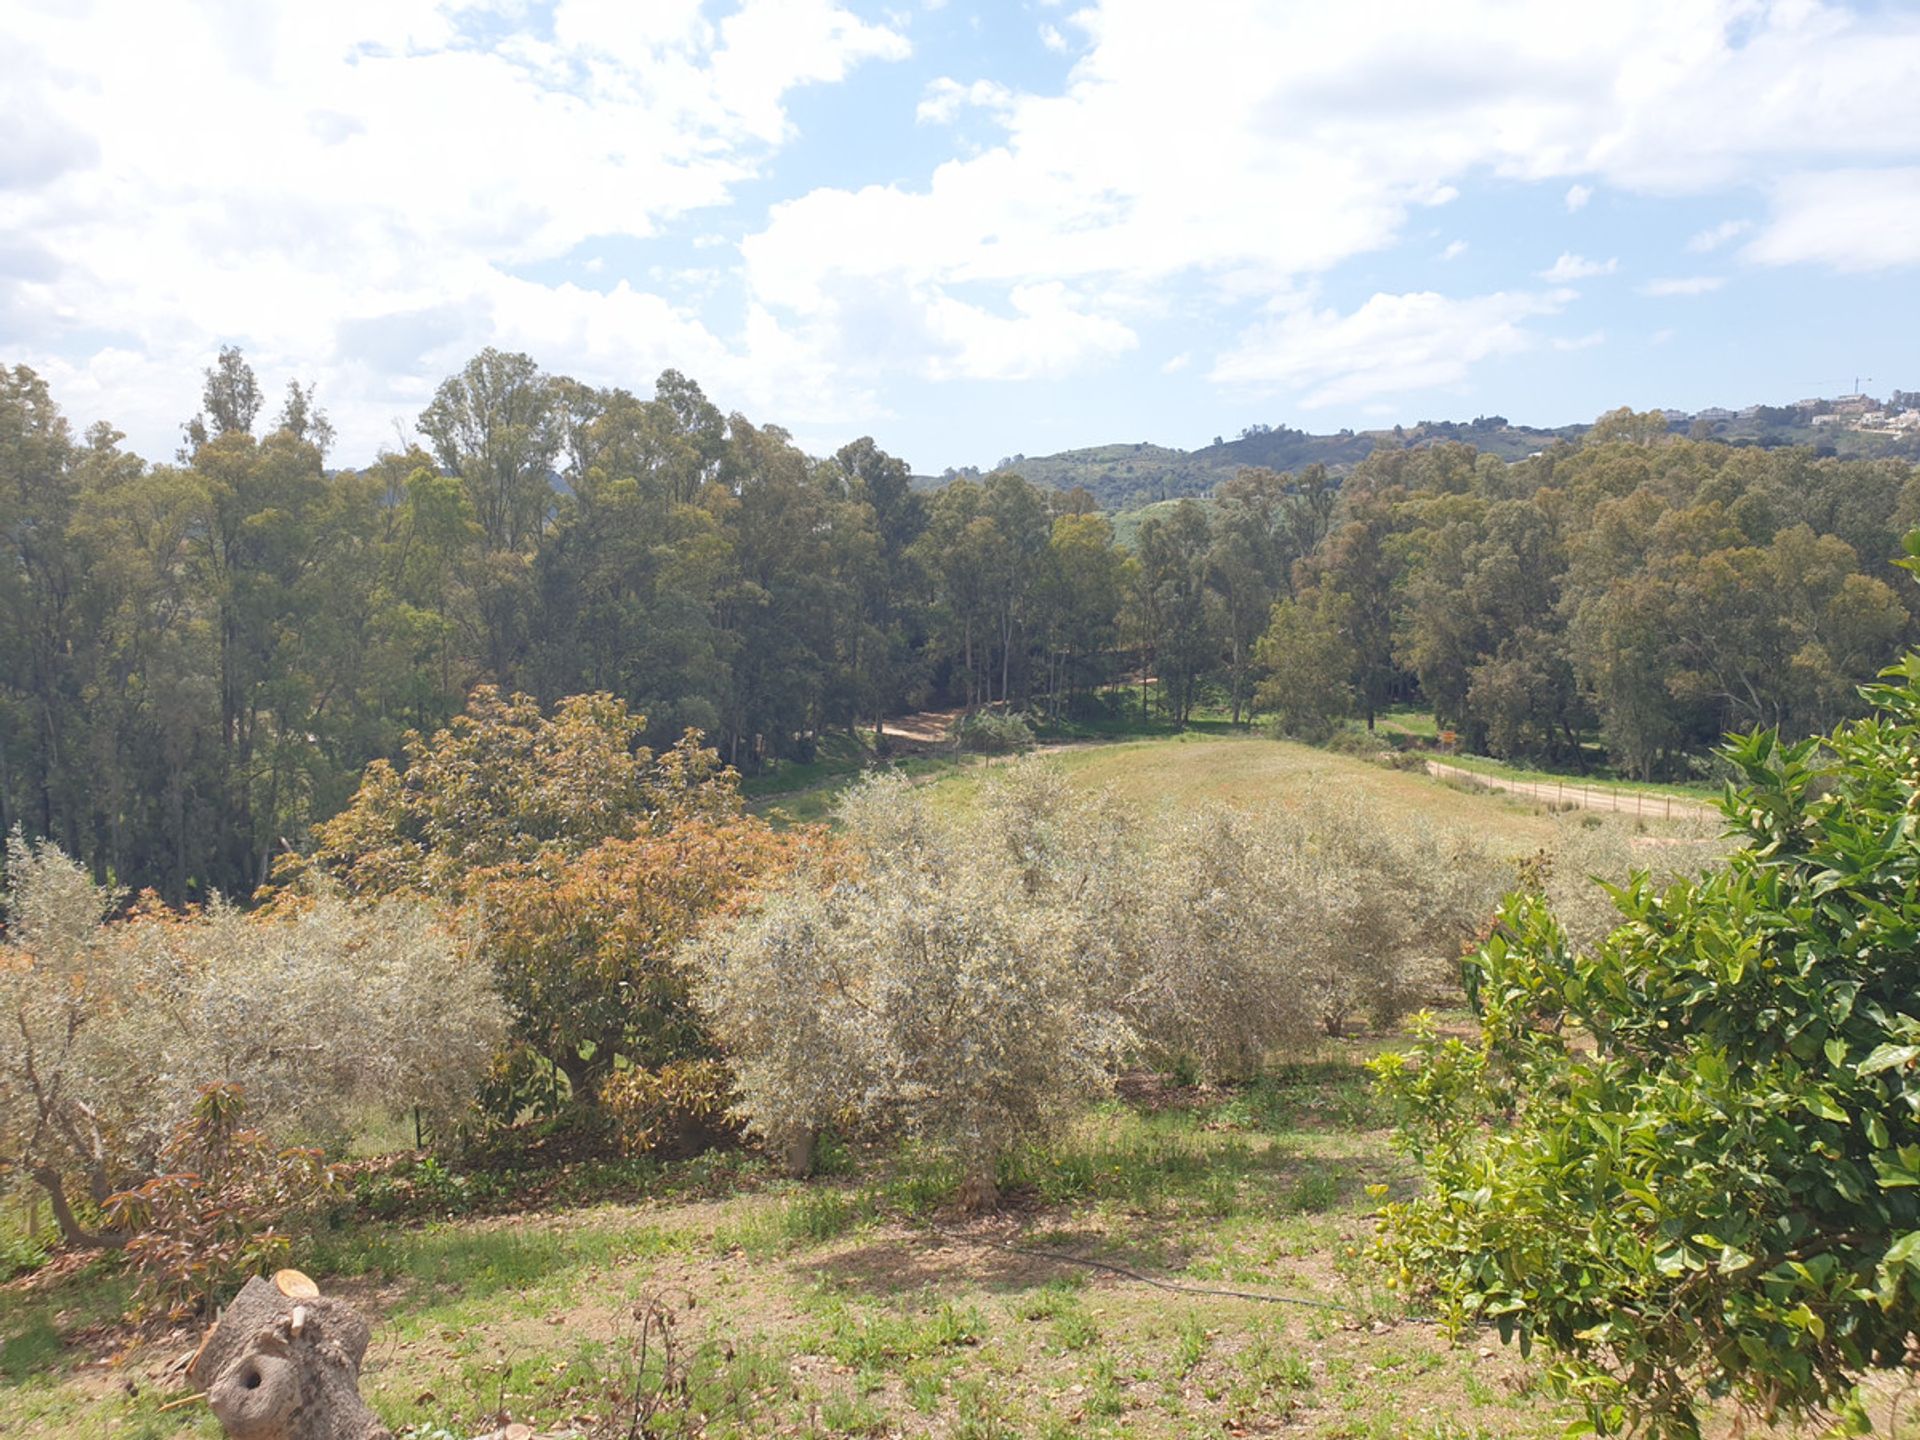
[(966, 229)]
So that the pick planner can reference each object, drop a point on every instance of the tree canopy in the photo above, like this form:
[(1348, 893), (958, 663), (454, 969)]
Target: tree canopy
[(1686, 1158)]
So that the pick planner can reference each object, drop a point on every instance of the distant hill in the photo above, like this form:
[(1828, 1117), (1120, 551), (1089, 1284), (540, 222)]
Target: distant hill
[(1127, 477), (1132, 477)]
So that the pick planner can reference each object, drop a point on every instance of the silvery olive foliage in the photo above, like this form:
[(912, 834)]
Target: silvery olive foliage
[(319, 1012), (1587, 849), (923, 985), (973, 977)]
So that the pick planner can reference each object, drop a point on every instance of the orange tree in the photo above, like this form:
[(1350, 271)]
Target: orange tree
[(1687, 1160), (579, 861)]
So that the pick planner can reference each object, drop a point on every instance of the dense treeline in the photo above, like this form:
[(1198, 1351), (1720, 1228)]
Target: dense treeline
[(198, 659), (1662, 589)]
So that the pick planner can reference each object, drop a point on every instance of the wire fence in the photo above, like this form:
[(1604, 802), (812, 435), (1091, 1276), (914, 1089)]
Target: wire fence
[(1649, 804)]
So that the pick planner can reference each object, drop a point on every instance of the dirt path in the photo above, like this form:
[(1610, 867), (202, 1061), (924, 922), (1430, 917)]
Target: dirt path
[(924, 727), (1586, 797)]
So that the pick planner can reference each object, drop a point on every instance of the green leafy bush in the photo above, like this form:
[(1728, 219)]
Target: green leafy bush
[(992, 732), (1687, 1158), (221, 1209)]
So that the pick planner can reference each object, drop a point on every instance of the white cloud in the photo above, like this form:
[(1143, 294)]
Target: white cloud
[(946, 97), (1580, 342), (1683, 285), (1455, 249), (1345, 129), (282, 176), (1177, 363), (1577, 267), (1391, 345), (1850, 219), (1051, 37), (1715, 236), (1049, 334), (362, 185)]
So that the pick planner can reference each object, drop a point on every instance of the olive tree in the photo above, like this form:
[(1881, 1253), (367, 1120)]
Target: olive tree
[(319, 1011), (974, 977), (912, 981)]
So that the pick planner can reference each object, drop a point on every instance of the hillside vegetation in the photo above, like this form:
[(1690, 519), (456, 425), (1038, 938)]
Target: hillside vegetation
[(864, 1301)]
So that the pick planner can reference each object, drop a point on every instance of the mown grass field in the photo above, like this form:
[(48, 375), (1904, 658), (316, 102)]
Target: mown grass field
[(1221, 765)]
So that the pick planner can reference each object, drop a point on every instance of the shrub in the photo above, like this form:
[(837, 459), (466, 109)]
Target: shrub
[(215, 1213), (682, 1106), (578, 860), (1709, 1184), (582, 946), (319, 1011), (1216, 905), (974, 978), (919, 987), (993, 732), (1382, 906), (504, 783)]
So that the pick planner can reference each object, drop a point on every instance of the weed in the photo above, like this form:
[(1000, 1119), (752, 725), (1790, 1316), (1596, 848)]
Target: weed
[(1192, 1344), (880, 1339), (926, 1382), (1103, 1389), (1075, 1329), (844, 1414), (20, 1252), (821, 1215)]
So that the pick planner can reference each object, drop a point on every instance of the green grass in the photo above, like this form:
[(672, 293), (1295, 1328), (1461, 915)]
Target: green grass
[(837, 1308), (813, 804), (832, 1308), (1120, 718), (838, 754), (1253, 771), (1409, 721)]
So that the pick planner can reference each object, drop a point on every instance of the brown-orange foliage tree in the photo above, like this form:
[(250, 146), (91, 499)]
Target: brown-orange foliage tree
[(580, 861)]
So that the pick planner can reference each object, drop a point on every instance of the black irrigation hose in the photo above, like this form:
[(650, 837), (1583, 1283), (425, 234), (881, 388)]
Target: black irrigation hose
[(1159, 1284)]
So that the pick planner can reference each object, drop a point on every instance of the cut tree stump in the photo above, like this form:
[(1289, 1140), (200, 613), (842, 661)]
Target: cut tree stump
[(283, 1363)]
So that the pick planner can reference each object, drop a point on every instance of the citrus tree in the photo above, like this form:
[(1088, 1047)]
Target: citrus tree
[(1687, 1159)]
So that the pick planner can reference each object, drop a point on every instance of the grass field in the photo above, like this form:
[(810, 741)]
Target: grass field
[(1251, 771), (1481, 764), (860, 1305)]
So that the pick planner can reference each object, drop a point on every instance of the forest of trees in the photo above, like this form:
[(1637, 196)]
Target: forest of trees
[(198, 659), (1663, 591)]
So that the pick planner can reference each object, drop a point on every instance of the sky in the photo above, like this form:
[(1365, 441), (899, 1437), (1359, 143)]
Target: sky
[(968, 230)]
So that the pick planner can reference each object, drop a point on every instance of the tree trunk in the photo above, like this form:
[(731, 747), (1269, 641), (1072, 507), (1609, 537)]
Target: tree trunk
[(283, 1366), (797, 1147), (72, 1232)]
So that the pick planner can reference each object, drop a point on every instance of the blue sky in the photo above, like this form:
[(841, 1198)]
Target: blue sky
[(968, 230)]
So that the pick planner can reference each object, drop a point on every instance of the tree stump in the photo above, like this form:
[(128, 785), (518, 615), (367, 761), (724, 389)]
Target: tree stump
[(283, 1363)]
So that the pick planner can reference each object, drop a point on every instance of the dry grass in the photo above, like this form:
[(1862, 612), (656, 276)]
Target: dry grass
[(861, 1305)]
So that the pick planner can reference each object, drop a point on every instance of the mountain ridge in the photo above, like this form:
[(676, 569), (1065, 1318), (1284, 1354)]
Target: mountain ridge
[(1128, 476)]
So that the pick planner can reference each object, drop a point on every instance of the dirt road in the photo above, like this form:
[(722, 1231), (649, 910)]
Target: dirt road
[(1586, 797)]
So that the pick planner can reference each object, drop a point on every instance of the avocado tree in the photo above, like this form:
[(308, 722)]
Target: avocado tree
[(1686, 1160)]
